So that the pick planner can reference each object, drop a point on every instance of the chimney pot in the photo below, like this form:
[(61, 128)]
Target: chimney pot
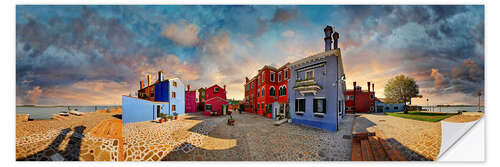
[(369, 88), (328, 37)]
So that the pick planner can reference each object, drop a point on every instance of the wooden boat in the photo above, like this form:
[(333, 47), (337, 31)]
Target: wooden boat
[(76, 112), (63, 113)]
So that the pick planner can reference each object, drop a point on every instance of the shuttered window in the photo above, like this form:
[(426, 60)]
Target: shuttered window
[(319, 105)]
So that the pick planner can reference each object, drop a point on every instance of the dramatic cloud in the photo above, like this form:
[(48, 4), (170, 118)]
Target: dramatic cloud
[(182, 33), (285, 15), (94, 54), (439, 80)]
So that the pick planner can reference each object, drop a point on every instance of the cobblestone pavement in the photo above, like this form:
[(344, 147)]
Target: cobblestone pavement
[(417, 140), (67, 139), (253, 138), (151, 141)]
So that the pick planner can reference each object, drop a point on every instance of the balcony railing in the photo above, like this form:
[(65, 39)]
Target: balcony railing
[(307, 86)]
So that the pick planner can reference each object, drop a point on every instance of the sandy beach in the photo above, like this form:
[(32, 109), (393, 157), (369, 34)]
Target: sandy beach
[(95, 136)]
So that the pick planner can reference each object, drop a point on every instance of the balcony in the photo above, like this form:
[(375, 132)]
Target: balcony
[(307, 86)]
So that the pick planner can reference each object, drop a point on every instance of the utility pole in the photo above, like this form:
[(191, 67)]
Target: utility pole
[(479, 101)]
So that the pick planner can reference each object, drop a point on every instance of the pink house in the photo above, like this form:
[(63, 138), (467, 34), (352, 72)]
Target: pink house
[(215, 100), (190, 97)]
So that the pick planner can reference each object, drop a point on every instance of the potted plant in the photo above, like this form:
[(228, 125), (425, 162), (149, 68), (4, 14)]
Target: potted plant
[(269, 112), (175, 115)]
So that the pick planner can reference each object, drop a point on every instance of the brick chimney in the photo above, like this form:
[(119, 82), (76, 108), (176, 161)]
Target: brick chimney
[(246, 79), (328, 38), (354, 86), (160, 76), (189, 87), (141, 84), (149, 79), (335, 40), (373, 87), (369, 88), (224, 87)]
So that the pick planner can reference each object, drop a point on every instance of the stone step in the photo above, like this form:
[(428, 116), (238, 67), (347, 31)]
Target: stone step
[(356, 152), (378, 150), (366, 151)]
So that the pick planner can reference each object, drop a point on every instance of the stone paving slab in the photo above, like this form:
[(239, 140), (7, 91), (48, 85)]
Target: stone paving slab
[(416, 140), (253, 138)]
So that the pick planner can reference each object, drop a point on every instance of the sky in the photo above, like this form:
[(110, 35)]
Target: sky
[(91, 55)]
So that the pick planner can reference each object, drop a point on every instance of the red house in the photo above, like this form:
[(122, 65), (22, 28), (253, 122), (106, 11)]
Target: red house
[(215, 100), (268, 91), (360, 101), (190, 97)]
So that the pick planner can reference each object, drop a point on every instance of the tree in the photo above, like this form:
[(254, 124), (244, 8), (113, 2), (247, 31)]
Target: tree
[(401, 89)]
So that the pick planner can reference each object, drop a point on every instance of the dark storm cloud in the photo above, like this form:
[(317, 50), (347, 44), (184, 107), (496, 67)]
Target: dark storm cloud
[(117, 45), (285, 15)]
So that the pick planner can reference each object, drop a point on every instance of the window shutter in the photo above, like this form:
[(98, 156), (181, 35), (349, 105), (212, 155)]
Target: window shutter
[(324, 105), (296, 105), (315, 105)]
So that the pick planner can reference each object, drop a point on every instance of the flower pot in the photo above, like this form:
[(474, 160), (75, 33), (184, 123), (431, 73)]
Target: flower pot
[(161, 120), (175, 117)]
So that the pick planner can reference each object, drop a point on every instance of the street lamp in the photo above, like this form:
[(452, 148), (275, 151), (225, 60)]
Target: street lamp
[(479, 101)]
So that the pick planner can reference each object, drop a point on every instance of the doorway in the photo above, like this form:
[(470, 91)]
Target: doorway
[(158, 110)]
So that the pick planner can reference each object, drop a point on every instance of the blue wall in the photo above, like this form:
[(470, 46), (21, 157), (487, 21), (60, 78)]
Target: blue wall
[(139, 110), (179, 100), (330, 90), (161, 91)]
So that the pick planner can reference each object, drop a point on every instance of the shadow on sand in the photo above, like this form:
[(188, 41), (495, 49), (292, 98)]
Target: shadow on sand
[(52, 152)]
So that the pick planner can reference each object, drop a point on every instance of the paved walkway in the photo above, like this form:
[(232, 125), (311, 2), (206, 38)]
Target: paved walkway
[(416, 140), (253, 138)]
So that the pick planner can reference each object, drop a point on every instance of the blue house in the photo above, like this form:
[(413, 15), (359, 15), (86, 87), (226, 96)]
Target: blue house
[(164, 96), (177, 97), (381, 106), (139, 110), (317, 88)]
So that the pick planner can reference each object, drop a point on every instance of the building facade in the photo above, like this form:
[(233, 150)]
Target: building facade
[(381, 106), (190, 100), (177, 99), (267, 93), (359, 100), (317, 88), (216, 100), (165, 96)]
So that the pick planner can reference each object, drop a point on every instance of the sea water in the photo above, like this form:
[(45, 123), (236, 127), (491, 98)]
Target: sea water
[(454, 109), (43, 112)]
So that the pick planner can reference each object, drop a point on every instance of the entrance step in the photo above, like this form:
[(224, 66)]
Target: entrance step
[(279, 122)]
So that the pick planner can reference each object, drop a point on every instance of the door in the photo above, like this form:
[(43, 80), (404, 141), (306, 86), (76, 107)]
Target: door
[(158, 109)]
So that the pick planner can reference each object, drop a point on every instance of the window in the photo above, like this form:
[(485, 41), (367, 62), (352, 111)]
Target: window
[(271, 76), (173, 95), (173, 107), (279, 77), (300, 106), (386, 108), (263, 77), (310, 74), (371, 96), (395, 107), (319, 105), (371, 108), (258, 105), (272, 92), (174, 84), (258, 93), (286, 74), (262, 92), (216, 89), (262, 106)]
